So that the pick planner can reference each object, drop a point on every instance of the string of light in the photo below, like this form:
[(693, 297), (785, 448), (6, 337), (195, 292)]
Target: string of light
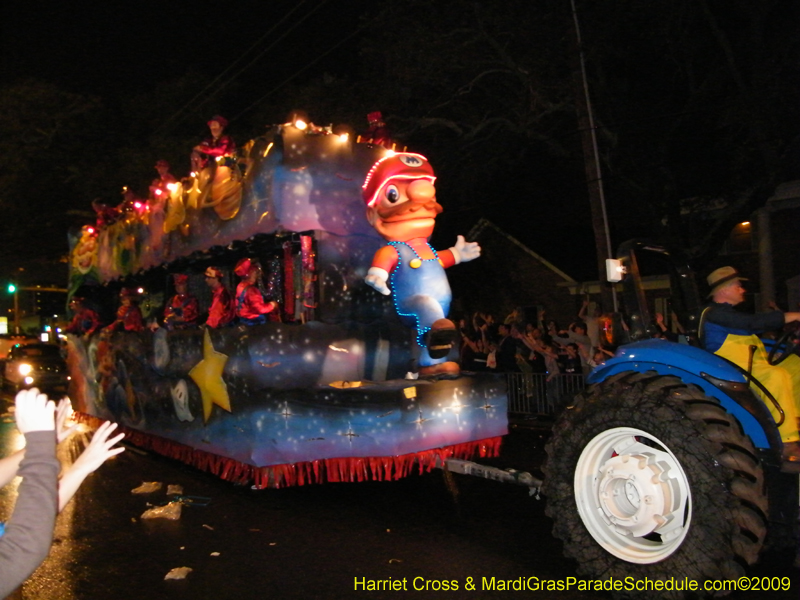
[(216, 85)]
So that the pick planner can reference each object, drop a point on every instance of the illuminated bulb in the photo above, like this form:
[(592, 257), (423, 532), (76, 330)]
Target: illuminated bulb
[(137, 205), (344, 137), (140, 290), (158, 192), (745, 223), (390, 153), (192, 174), (300, 124), (174, 186), (25, 368), (90, 230)]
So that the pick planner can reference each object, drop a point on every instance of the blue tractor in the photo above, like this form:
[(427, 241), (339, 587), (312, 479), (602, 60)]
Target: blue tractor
[(660, 468)]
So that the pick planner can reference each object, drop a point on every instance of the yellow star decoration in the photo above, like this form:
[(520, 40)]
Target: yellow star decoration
[(207, 374)]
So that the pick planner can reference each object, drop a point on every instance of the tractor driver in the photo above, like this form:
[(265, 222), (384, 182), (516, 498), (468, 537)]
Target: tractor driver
[(730, 334)]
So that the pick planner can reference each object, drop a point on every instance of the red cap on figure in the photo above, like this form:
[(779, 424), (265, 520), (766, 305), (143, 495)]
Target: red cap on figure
[(402, 165), (181, 279), (214, 272), (244, 267), (219, 119)]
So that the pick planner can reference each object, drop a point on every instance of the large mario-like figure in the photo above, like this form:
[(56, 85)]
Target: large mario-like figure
[(402, 207)]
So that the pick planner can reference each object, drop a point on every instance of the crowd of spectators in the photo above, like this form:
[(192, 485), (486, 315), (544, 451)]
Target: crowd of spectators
[(521, 343)]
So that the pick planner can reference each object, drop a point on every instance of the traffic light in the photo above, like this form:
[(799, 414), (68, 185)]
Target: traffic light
[(11, 288)]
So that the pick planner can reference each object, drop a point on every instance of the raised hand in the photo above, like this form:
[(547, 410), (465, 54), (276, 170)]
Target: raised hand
[(63, 416), (100, 449), (34, 412)]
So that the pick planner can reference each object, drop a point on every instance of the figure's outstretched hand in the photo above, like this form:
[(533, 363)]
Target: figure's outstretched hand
[(63, 417), (99, 450), (376, 278), (465, 251), (34, 412)]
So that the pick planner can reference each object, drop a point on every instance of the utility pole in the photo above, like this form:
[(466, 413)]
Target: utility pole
[(16, 310), (594, 177), (15, 289)]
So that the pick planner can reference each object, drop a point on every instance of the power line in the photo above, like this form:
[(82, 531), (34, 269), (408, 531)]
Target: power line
[(208, 86), (296, 73), (285, 33)]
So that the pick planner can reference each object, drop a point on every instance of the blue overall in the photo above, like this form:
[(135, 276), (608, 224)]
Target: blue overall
[(421, 295)]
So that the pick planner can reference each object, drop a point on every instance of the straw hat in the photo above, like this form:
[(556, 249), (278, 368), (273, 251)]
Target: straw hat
[(721, 277)]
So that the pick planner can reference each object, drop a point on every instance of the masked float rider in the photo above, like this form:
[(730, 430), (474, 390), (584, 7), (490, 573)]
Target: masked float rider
[(214, 147), (730, 334), (183, 309), (129, 317), (222, 309), (85, 321), (251, 309), (402, 207)]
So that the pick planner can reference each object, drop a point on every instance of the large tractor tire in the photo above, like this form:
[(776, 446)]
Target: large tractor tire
[(647, 477)]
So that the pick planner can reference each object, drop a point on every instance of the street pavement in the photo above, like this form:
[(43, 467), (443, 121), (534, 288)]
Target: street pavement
[(315, 541)]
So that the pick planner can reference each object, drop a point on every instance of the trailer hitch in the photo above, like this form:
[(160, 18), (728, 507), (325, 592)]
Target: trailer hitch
[(466, 467)]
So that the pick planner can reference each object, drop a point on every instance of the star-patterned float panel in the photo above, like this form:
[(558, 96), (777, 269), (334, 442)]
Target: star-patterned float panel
[(278, 394)]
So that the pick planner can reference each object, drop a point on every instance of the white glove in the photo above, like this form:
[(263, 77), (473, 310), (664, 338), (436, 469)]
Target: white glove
[(465, 251), (34, 412), (376, 278)]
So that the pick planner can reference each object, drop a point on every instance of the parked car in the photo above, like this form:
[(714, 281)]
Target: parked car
[(9, 340), (36, 365)]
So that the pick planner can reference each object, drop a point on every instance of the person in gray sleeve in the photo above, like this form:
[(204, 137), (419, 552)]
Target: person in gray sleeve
[(27, 536)]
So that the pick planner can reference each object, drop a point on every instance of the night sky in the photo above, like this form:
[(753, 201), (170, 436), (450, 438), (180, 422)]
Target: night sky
[(249, 50), (244, 56), (114, 50)]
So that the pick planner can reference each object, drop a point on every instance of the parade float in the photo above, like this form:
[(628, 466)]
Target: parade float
[(342, 382)]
